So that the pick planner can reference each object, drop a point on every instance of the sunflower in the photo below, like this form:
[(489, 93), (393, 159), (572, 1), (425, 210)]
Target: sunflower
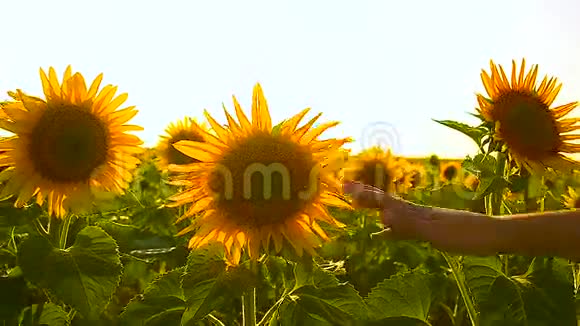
[(434, 161), (404, 182), (375, 167), (571, 199), (535, 134), (68, 145), (471, 182), (340, 159), (185, 129), (416, 174), (450, 171), (256, 184)]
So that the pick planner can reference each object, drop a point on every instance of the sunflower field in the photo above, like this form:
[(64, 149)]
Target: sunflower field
[(244, 221)]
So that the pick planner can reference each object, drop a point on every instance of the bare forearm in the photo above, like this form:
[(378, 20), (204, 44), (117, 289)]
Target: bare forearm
[(550, 233), (462, 232)]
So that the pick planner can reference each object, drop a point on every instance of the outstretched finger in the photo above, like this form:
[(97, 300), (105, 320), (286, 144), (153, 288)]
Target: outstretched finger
[(365, 196)]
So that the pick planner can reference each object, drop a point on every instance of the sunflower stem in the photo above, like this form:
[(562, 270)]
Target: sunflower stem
[(268, 315), (503, 170), (39, 227), (249, 307), (249, 300), (13, 239), (497, 194), (364, 227), (48, 225), (543, 198), (463, 289), (65, 226), (215, 320)]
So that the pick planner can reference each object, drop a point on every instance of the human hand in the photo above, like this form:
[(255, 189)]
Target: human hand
[(403, 220)]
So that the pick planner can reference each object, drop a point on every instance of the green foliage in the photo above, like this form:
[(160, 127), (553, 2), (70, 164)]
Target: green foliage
[(204, 282), (543, 295), (125, 266), (490, 180), (511, 290), (477, 134), (83, 276), (47, 314), (407, 295), (162, 303)]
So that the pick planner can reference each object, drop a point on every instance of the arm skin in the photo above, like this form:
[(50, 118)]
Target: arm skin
[(554, 233)]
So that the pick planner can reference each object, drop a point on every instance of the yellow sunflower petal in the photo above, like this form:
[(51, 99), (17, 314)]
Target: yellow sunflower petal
[(185, 129), (84, 144), (200, 151), (524, 121), (239, 220), (260, 115)]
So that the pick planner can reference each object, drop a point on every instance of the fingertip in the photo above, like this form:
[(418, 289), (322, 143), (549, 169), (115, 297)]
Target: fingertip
[(351, 187), (364, 196)]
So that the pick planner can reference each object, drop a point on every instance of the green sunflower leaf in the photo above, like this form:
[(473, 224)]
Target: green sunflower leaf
[(406, 296), (548, 292), (279, 272), (123, 234), (162, 303), (207, 285), (323, 301), (7, 257), (477, 115), (488, 185), (480, 165), (11, 216), (51, 314), (480, 273), (201, 282), (83, 276), (13, 297), (544, 295), (475, 133), (484, 167), (304, 273), (518, 183)]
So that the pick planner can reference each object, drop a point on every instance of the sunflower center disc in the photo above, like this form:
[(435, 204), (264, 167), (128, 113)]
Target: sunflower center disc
[(450, 173), (176, 157), (527, 126), (416, 179), (269, 177), (375, 173), (67, 144)]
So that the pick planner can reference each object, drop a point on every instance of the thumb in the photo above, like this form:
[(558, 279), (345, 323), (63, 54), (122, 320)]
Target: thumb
[(365, 196)]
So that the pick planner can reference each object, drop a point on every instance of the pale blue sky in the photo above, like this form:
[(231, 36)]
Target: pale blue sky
[(398, 62)]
